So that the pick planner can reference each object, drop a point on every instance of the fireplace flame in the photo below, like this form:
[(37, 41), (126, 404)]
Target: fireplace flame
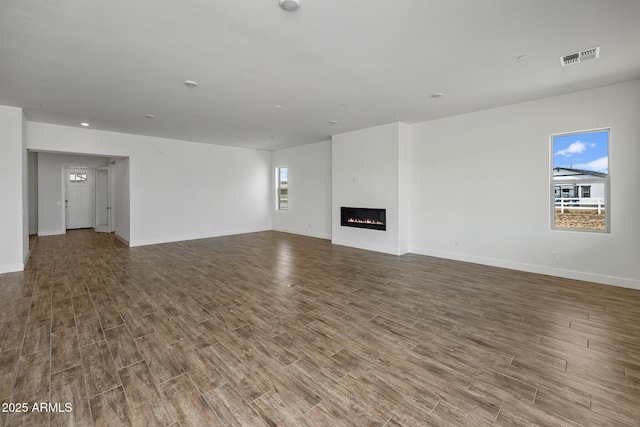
[(365, 221)]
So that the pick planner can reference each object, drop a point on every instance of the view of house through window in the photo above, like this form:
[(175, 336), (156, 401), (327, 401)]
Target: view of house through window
[(581, 180), (282, 189)]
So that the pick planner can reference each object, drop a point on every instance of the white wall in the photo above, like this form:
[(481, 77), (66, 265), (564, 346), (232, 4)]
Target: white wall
[(178, 190), (121, 202), (367, 173), (482, 179), (309, 168), (51, 180), (404, 188), (24, 190), (33, 192), (12, 180)]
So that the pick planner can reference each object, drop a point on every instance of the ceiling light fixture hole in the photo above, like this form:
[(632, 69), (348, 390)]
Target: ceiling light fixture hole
[(290, 5)]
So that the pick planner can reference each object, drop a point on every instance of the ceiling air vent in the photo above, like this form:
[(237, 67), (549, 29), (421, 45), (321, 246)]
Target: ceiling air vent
[(583, 55)]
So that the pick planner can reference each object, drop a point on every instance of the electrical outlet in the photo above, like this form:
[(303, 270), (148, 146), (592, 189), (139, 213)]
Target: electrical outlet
[(456, 243), (554, 255)]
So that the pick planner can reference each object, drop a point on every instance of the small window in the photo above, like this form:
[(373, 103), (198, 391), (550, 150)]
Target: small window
[(78, 177), (580, 181), (282, 188)]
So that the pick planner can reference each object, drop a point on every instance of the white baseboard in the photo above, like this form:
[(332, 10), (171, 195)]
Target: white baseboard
[(51, 233), (375, 248), (156, 241), (532, 268), (122, 239), (11, 268), (303, 233)]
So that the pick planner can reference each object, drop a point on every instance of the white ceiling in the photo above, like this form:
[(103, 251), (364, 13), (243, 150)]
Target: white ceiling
[(360, 62)]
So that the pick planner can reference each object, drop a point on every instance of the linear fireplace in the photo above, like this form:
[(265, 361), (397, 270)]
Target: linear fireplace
[(374, 219)]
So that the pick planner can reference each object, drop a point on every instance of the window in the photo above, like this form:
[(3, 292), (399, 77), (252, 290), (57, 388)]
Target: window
[(78, 177), (580, 181), (282, 188)]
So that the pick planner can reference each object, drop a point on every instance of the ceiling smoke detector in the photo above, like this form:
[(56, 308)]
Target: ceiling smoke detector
[(583, 55), (290, 5)]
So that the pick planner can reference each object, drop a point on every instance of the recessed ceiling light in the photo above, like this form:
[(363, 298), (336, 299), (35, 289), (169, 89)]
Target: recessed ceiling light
[(277, 107), (290, 5), (522, 57), (85, 124), (191, 83), (273, 137), (437, 95), (334, 122), (150, 116)]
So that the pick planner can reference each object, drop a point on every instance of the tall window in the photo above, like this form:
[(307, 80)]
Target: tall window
[(580, 181), (282, 188)]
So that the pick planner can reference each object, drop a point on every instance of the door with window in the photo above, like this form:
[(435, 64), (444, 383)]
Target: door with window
[(79, 198)]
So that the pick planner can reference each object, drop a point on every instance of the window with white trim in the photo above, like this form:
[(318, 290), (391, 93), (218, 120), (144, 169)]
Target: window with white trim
[(580, 180), (282, 188)]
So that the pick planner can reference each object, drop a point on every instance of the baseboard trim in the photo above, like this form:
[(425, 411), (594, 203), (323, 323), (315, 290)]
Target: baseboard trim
[(122, 239), (146, 242), (303, 233), (51, 233), (602, 279), (26, 259), (374, 248), (11, 268)]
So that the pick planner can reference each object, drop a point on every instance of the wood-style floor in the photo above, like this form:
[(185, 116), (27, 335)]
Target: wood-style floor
[(270, 329)]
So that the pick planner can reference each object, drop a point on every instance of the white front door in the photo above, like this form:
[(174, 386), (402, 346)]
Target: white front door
[(79, 198), (103, 200)]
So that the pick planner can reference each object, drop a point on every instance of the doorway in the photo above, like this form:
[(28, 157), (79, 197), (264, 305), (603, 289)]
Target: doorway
[(78, 203), (105, 188), (103, 200)]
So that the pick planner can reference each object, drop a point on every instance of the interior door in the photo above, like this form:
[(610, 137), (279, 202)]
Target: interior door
[(103, 200), (78, 198)]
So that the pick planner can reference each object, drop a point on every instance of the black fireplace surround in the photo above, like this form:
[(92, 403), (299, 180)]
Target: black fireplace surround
[(374, 219)]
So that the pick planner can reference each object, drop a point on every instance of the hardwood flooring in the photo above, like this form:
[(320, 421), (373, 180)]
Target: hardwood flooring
[(269, 329)]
